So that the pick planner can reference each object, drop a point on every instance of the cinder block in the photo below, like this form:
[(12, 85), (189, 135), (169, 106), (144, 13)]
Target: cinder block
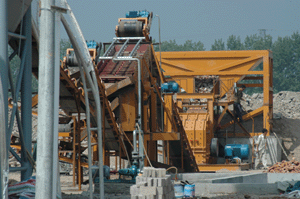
[(134, 197), (155, 182), (161, 197), (148, 191), (161, 173), (134, 190), (142, 184), (161, 190), (161, 182), (142, 197), (150, 197), (150, 182), (138, 179), (153, 173)]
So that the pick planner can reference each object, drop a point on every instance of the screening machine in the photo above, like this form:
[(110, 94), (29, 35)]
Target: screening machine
[(135, 24)]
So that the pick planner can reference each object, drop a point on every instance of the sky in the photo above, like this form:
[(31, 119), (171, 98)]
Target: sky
[(196, 20)]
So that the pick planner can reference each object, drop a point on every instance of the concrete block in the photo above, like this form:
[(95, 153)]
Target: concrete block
[(150, 182), (161, 197), (161, 182), (153, 173), (142, 197), (134, 190), (138, 179), (155, 182), (161, 173), (150, 197), (142, 184), (145, 172), (161, 190), (134, 197), (148, 190)]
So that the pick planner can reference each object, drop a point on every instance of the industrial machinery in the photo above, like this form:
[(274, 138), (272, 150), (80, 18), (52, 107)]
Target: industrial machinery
[(237, 152), (192, 98), (136, 24), (205, 107)]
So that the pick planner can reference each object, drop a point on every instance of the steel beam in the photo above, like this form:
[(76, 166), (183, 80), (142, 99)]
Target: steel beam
[(26, 117)]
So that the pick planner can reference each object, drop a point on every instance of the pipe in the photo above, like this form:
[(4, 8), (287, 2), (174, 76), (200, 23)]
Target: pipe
[(4, 139), (44, 180), (74, 32), (139, 85), (88, 132), (134, 152)]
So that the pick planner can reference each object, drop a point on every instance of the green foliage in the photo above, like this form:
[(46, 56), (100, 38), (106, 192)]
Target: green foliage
[(171, 45), (234, 43), (218, 45)]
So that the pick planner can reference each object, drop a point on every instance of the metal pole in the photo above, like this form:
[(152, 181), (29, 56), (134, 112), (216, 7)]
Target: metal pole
[(74, 32), (56, 173), (45, 146), (161, 94), (26, 117), (4, 139)]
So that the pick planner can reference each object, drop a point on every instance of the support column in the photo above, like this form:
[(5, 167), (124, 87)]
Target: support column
[(266, 92), (26, 95), (4, 139), (47, 149)]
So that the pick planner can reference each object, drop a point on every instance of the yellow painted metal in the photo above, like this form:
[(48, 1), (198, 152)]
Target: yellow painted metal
[(168, 127), (128, 110), (218, 167), (231, 67)]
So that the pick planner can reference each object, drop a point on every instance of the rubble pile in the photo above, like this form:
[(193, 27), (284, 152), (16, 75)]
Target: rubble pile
[(286, 104), (205, 83), (292, 166)]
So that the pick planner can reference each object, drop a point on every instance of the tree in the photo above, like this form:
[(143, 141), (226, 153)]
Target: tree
[(234, 43), (171, 45), (218, 45)]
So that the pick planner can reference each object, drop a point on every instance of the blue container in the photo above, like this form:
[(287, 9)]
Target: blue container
[(189, 191), (178, 189)]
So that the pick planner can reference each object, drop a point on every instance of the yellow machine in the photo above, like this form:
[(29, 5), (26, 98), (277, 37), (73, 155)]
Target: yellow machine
[(202, 111), (134, 92)]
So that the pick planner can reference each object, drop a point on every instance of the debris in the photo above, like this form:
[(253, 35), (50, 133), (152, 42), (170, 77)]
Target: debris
[(292, 166)]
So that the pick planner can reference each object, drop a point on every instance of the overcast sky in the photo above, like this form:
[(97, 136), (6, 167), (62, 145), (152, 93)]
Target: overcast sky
[(196, 20)]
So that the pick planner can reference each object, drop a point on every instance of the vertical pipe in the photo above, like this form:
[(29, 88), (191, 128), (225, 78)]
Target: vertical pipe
[(26, 100), (45, 144), (5, 140), (161, 94), (74, 32), (56, 80)]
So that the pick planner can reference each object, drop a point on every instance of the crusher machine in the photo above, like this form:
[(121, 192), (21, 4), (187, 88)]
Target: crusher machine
[(207, 81)]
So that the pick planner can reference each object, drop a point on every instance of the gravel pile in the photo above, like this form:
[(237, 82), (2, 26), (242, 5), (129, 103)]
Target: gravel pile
[(286, 104)]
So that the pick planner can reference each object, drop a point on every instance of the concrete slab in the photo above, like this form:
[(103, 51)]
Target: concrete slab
[(235, 188), (279, 177)]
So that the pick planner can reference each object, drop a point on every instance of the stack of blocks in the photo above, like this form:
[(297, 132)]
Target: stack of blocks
[(153, 184)]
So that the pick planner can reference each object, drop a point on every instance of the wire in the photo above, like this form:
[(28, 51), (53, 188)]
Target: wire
[(175, 173), (140, 134)]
